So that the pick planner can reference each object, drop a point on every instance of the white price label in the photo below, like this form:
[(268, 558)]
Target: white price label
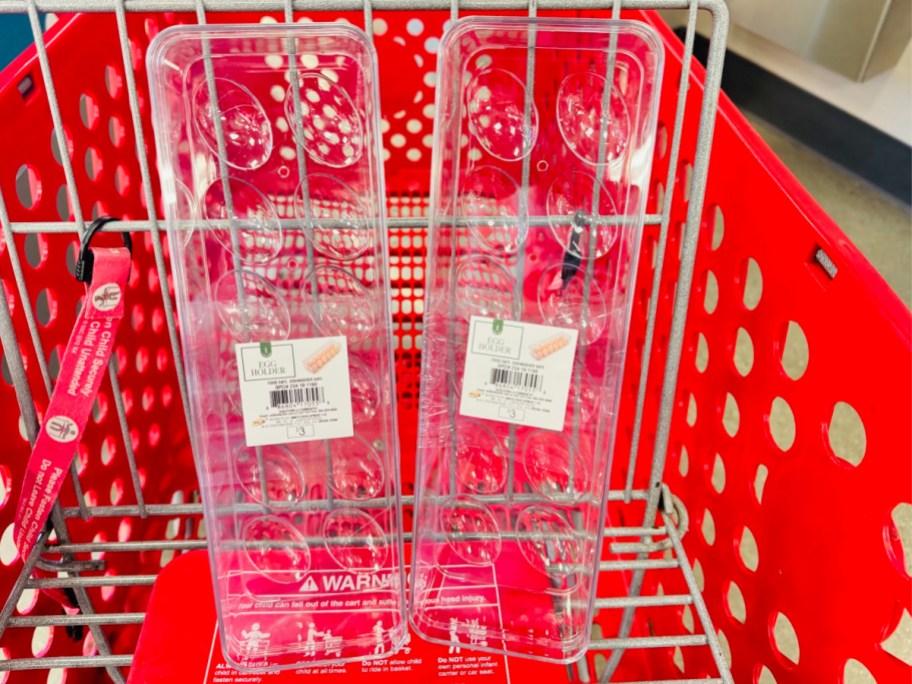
[(295, 390), (518, 372)]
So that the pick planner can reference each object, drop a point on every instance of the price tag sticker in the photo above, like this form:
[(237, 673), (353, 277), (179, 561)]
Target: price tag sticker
[(518, 373), (295, 390)]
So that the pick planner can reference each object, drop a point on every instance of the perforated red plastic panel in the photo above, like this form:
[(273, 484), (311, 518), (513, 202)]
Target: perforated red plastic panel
[(826, 551), (812, 435), (790, 442), (96, 110)]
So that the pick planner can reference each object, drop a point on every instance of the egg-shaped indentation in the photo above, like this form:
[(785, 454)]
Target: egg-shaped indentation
[(245, 127), (593, 134), (269, 475), (481, 466), (501, 116), (250, 308), (354, 540), (489, 203), (357, 470), (276, 549), (339, 304), (329, 127), (554, 467), (548, 542), (334, 217), (365, 391), (582, 215), (563, 302), (470, 530), (243, 220), (185, 213), (483, 288)]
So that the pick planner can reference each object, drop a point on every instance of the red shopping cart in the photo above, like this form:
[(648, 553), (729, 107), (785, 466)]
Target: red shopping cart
[(766, 402)]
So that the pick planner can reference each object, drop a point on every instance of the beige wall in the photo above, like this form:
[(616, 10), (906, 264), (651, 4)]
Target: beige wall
[(884, 101)]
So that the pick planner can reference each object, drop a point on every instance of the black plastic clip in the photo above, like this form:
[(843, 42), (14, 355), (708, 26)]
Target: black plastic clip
[(571, 263), (85, 263)]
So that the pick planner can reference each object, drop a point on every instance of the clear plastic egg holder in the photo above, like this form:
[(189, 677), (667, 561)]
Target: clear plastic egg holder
[(276, 232), (537, 209)]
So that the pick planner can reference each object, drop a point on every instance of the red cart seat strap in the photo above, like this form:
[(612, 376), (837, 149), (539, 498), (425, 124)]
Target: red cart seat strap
[(81, 371)]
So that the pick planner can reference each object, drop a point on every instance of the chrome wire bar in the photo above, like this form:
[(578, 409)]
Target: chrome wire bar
[(19, 6), (52, 227)]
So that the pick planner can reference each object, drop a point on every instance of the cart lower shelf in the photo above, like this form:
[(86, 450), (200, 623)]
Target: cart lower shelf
[(629, 554)]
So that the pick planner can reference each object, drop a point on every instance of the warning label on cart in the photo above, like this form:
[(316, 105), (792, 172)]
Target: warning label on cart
[(295, 390), (518, 372), (417, 662)]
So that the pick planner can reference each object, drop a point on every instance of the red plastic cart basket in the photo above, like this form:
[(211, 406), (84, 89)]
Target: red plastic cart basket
[(788, 448)]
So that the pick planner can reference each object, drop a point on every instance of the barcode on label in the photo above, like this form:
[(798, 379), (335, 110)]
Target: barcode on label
[(296, 395), (514, 378)]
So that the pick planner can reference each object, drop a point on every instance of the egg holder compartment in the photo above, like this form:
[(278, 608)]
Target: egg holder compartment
[(537, 207), (274, 200)]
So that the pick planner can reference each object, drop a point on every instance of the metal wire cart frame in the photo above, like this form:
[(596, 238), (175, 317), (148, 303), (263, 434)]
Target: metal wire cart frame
[(659, 502), (107, 553)]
